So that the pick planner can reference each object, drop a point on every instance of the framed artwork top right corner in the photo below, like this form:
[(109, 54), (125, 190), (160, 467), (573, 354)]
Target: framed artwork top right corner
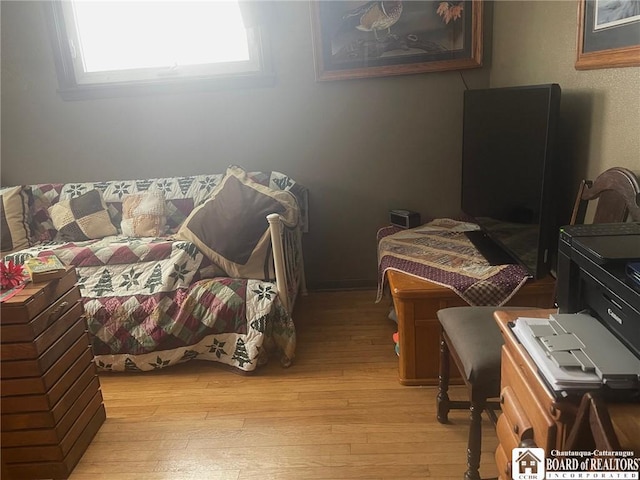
[(608, 34)]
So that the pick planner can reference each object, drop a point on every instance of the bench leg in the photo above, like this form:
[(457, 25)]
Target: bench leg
[(474, 444), (442, 400)]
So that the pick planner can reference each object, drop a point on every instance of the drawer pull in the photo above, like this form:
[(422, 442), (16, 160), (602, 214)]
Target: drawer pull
[(519, 423), (56, 312)]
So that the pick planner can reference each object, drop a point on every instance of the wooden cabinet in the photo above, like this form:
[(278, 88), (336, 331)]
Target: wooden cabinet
[(529, 410), (417, 302), (51, 402)]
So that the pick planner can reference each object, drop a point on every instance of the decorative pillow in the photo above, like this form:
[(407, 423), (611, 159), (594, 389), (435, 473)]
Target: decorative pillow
[(231, 227), (143, 214), (82, 218), (14, 218)]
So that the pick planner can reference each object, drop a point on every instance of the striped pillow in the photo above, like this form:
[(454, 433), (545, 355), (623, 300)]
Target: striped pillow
[(14, 218)]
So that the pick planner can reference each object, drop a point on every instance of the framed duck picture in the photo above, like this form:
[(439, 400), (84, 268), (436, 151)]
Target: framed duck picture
[(357, 39)]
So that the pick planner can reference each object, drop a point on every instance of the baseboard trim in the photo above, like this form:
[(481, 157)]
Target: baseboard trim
[(341, 285)]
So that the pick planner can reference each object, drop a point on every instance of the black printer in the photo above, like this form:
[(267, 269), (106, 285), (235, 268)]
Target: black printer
[(596, 267)]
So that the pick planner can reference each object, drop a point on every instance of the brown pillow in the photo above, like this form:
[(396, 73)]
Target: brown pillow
[(14, 218), (143, 214), (82, 218), (231, 228)]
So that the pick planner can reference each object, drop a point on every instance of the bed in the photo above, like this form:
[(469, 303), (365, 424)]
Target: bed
[(153, 302)]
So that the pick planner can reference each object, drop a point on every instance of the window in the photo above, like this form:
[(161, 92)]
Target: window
[(113, 48)]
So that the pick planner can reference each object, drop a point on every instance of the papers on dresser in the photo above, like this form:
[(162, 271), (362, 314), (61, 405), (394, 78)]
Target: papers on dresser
[(576, 351), (559, 378)]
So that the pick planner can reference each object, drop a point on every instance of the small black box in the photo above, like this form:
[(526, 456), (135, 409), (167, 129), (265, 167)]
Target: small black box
[(404, 218)]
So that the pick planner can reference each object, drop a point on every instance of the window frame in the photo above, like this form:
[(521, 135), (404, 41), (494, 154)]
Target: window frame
[(71, 88)]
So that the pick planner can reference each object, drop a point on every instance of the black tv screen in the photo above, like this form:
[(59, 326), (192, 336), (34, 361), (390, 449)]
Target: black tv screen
[(509, 161)]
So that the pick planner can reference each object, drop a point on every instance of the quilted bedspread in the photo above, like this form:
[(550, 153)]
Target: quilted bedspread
[(439, 252), (151, 303)]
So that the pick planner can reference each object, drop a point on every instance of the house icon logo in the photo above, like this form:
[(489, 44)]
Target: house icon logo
[(527, 464)]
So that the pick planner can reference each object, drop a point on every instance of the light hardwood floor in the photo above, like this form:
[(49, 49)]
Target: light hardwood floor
[(337, 413)]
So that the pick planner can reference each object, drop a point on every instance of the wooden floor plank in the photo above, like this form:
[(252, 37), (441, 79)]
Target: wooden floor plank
[(338, 412)]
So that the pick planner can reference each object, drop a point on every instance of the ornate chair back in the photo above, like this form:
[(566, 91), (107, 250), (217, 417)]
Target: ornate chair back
[(617, 191)]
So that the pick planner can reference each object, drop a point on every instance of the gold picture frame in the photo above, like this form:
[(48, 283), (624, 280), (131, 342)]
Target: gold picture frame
[(607, 38), (356, 39)]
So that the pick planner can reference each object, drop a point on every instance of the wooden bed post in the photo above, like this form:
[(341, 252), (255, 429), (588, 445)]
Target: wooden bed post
[(275, 228)]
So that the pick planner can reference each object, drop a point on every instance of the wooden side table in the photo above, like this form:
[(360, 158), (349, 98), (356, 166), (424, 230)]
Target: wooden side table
[(50, 394), (417, 302)]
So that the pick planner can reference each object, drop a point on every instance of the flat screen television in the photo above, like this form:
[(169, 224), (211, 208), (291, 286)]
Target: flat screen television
[(509, 164)]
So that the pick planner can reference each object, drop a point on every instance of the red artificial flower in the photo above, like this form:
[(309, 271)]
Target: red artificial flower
[(11, 275)]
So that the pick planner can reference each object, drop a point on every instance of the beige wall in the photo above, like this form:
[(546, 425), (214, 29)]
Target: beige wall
[(362, 147), (535, 42)]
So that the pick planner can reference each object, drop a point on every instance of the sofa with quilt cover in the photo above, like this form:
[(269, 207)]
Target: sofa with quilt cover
[(173, 269)]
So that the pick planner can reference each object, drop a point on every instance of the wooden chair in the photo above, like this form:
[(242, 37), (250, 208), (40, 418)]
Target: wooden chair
[(472, 338), (617, 192)]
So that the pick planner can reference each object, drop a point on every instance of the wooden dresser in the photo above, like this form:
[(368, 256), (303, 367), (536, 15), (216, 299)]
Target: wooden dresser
[(51, 400), (417, 303), (531, 412)]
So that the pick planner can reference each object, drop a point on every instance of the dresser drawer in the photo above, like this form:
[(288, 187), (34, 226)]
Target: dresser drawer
[(36, 347), (36, 385), (37, 366), (36, 297), (544, 427), (45, 436), (51, 453), (504, 431), (503, 462), (44, 419), (71, 450), (516, 415), (35, 403), (27, 332), (41, 437)]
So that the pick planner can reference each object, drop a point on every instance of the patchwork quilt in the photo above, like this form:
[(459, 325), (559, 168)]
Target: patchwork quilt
[(151, 303), (154, 302), (439, 252)]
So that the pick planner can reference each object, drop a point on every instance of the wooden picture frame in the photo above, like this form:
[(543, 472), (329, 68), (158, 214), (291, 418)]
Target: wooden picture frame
[(395, 38), (607, 39)]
